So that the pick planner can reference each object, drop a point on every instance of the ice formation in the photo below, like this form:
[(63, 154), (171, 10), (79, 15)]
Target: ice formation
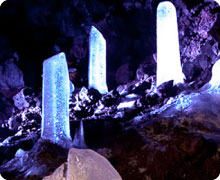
[(1, 1), (218, 1), (168, 55), (215, 80), (20, 101), (214, 84), (218, 178), (79, 140), (97, 61), (55, 100), (127, 104), (1, 178)]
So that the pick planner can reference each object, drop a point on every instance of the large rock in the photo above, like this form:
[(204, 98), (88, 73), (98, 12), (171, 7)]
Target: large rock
[(85, 164), (59, 173)]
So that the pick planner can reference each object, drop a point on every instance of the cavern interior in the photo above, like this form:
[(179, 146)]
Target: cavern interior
[(110, 90)]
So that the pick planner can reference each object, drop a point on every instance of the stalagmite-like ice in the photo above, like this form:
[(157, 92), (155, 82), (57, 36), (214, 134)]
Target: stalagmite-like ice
[(55, 100), (79, 140), (168, 55), (97, 61)]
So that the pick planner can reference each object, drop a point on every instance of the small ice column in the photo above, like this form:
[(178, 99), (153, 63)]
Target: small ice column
[(79, 140), (168, 55), (55, 100), (97, 61)]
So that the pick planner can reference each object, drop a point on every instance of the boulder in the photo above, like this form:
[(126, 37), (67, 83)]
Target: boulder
[(85, 164), (59, 173)]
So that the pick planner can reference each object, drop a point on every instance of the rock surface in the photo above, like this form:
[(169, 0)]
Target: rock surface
[(35, 162), (59, 173), (85, 164), (11, 78)]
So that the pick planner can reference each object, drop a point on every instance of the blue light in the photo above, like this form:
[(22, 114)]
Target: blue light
[(168, 55), (55, 102), (79, 140), (97, 61)]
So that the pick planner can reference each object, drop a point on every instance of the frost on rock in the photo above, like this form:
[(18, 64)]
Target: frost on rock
[(20, 101), (97, 61), (168, 55), (55, 100), (126, 104), (201, 103)]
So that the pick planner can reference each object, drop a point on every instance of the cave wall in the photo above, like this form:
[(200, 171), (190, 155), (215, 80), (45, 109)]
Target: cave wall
[(32, 31)]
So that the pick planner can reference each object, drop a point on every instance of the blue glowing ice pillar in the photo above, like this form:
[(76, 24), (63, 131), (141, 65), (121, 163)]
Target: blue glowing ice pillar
[(55, 100), (97, 61), (168, 55), (214, 83)]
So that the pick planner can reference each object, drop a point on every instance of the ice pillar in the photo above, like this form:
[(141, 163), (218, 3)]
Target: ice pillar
[(168, 55), (97, 61), (218, 1), (55, 100), (214, 83)]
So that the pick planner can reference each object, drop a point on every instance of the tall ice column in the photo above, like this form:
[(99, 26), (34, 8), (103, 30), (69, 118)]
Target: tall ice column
[(97, 61), (168, 55), (55, 100)]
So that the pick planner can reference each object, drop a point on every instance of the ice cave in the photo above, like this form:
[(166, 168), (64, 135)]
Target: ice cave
[(109, 90)]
